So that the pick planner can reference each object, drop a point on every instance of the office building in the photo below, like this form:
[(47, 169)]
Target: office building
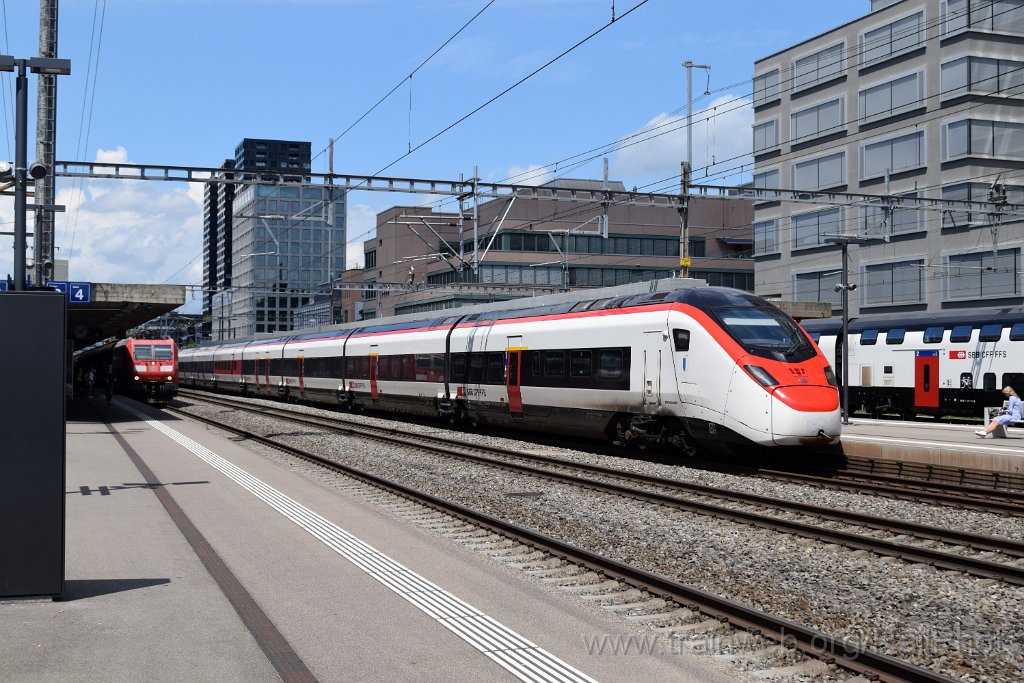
[(918, 98)]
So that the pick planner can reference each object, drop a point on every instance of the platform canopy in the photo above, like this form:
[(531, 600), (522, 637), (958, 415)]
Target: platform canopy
[(113, 309)]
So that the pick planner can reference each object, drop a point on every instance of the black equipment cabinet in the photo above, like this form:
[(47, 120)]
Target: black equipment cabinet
[(32, 443)]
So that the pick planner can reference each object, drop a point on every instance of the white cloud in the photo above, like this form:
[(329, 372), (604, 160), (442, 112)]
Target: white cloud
[(721, 137), (532, 174)]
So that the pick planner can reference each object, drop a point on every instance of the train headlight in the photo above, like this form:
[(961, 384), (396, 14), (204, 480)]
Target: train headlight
[(136, 378), (170, 378), (761, 375), (830, 376)]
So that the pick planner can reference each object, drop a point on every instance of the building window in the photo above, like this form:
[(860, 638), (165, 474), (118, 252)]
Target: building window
[(766, 87), (892, 97), (894, 155), (889, 284), (979, 275), (982, 76), (828, 171), (820, 67), (902, 221), (990, 139), (809, 229), (1000, 16), (370, 259), (766, 237), (818, 286), (891, 40), (766, 180), (696, 247), (766, 136), (821, 119)]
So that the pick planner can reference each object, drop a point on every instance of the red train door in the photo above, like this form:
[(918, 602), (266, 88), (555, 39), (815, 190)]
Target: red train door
[(926, 379), (374, 394), (515, 396)]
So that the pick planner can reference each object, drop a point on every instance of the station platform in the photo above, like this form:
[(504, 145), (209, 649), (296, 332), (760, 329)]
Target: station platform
[(189, 557), (934, 443)]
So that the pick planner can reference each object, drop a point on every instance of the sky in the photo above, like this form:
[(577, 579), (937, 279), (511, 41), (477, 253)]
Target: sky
[(181, 82)]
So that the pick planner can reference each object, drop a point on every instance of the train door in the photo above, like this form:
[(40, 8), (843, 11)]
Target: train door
[(301, 370), (374, 393), (513, 369), (651, 387), (926, 379)]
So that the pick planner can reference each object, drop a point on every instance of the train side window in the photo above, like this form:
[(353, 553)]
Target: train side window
[(1017, 332), (990, 333), (1013, 379), (886, 369), (554, 363), (933, 335), (867, 337), (895, 335), (988, 381), (580, 363), (681, 339), (458, 367), (476, 367), (496, 368), (609, 364), (960, 334)]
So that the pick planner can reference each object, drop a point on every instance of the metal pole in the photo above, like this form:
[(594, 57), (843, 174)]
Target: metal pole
[(846, 346), (689, 114), (20, 171)]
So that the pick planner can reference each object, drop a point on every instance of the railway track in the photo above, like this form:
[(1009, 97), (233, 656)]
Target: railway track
[(816, 644), (967, 552)]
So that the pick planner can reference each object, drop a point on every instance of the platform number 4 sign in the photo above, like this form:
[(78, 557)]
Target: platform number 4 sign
[(80, 292)]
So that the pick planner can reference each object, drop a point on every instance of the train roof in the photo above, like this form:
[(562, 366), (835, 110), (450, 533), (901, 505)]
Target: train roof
[(921, 320)]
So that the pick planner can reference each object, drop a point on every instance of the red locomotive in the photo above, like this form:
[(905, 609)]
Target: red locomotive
[(146, 369)]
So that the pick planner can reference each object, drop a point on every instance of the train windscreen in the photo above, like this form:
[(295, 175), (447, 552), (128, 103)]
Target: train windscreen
[(153, 352), (766, 332)]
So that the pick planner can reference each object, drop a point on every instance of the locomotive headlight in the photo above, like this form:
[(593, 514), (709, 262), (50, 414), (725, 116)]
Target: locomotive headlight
[(830, 376), (170, 378), (136, 378), (761, 375)]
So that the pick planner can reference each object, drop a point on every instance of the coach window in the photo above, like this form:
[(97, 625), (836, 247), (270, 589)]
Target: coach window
[(609, 364), (476, 367), (580, 364), (960, 334), (458, 367), (990, 333), (933, 335), (868, 337), (1017, 332), (496, 368), (681, 338), (1013, 379), (554, 363), (895, 335), (989, 381)]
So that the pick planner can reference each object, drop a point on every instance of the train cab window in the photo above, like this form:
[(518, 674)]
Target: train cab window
[(895, 335), (933, 335), (988, 381), (554, 363), (815, 337), (580, 364), (868, 337), (681, 339), (990, 333), (960, 334), (609, 364), (1017, 332)]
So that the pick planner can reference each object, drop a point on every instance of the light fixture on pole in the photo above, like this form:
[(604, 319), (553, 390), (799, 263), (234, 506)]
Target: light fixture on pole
[(37, 65), (845, 287)]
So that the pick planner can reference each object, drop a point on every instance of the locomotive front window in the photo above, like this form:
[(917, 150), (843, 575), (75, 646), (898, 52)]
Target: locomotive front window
[(144, 352), (766, 332)]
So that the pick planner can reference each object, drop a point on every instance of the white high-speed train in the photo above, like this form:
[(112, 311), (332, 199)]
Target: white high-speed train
[(669, 368)]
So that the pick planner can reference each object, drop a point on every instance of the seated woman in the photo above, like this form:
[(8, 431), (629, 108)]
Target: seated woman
[(1007, 415)]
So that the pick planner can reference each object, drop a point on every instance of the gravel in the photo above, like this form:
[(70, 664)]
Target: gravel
[(964, 627)]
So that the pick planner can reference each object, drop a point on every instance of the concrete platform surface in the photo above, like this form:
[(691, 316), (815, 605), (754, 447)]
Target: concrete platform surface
[(934, 443), (140, 604)]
